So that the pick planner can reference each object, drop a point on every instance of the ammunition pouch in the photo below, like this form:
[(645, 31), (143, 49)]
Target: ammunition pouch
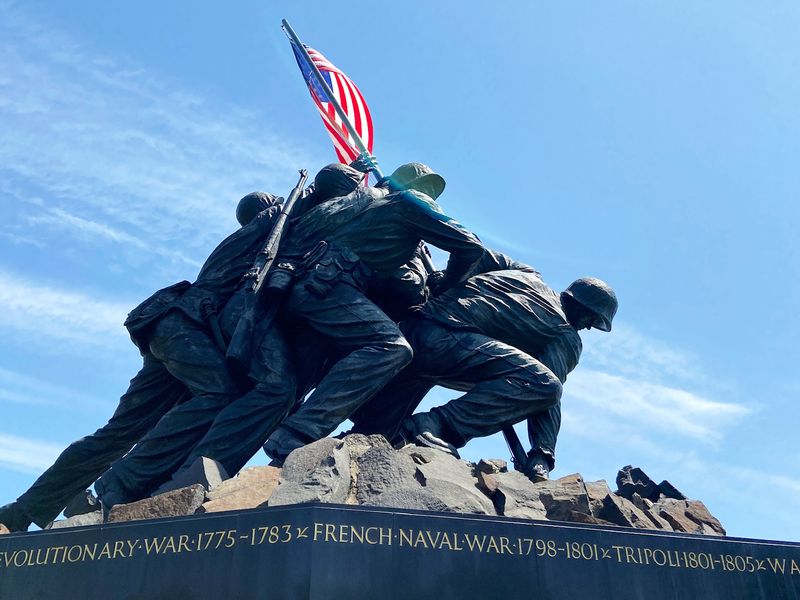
[(333, 266), (141, 319)]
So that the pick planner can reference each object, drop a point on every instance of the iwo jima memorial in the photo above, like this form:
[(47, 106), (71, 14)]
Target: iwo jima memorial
[(323, 307)]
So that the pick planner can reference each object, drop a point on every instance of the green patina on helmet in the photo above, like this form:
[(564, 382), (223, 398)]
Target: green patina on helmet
[(598, 297), (252, 204), (417, 176)]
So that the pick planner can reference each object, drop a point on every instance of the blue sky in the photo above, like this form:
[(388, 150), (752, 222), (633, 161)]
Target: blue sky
[(654, 145)]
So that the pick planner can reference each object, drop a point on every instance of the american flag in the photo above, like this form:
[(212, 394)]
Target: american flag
[(349, 98)]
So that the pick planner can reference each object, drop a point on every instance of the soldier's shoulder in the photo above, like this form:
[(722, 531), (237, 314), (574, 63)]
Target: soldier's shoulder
[(417, 201)]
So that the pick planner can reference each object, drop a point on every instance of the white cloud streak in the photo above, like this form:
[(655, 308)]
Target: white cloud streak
[(26, 455), (23, 389), (632, 385), (652, 407), (141, 162), (60, 314)]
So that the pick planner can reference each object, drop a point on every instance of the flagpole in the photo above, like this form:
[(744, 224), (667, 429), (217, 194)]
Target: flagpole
[(426, 259), (321, 81)]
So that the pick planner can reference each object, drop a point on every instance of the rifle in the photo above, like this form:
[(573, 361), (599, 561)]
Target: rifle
[(518, 455), (240, 347)]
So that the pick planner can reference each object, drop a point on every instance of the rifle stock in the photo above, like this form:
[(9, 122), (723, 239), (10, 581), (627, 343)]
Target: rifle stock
[(240, 348)]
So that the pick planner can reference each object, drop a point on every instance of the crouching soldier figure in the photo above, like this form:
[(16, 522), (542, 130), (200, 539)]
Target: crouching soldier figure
[(507, 340)]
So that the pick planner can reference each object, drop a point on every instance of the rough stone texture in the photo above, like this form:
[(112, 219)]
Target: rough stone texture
[(319, 472), (92, 518), (176, 503), (491, 465), (688, 516), (382, 469), (623, 512), (562, 497), (596, 491), (487, 483), (670, 491), (577, 517), (413, 498), (3, 529), (204, 471), (449, 479), (517, 497), (82, 504), (249, 489), (698, 512), (367, 470), (632, 480)]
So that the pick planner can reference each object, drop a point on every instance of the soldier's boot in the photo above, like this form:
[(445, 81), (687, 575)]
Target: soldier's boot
[(424, 429), (537, 467), (110, 492), (14, 517), (281, 443)]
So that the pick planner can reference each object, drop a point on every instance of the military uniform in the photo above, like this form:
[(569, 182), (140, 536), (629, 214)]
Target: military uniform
[(180, 339), (150, 395), (503, 338), (366, 235)]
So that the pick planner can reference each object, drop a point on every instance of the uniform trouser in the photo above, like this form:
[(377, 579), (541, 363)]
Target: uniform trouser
[(151, 393), (187, 351), (371, 348), (241, 427), (503, 384)]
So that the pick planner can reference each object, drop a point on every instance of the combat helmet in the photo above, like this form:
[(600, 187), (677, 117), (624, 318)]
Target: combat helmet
[(418, 177), (598, 297), (335, 180), (252, 204)]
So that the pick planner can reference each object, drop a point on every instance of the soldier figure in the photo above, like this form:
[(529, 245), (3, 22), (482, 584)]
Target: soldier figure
[(219, 421), (159, 386), (366, 235), (508, 341)]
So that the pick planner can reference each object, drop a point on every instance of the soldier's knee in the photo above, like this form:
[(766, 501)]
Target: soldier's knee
[(542, 390), (553, 390), (401, 352)]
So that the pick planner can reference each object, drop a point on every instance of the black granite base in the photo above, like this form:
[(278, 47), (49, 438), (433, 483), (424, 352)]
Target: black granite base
[(344, 552)]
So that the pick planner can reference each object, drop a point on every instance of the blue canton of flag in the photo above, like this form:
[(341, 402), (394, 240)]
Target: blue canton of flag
[(349, 98)]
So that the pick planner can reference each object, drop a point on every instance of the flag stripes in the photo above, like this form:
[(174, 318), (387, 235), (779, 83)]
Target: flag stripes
[(350, 99)]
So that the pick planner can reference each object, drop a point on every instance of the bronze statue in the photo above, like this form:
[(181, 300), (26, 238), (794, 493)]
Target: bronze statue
[(355, 239), (508, 341)]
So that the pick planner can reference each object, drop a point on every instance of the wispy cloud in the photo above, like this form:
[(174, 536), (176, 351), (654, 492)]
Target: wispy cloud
[(27, 455), (58, 313), (628, 352), (641, 404), (630, 383), (33, 391), (122, 156), (89, 231)]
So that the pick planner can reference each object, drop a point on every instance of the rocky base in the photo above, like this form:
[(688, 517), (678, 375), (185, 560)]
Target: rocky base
[(367, 470)]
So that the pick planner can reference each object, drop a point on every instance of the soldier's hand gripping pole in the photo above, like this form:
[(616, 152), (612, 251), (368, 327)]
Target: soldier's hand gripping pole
[(331, 97), (240, 348), (349, 129)]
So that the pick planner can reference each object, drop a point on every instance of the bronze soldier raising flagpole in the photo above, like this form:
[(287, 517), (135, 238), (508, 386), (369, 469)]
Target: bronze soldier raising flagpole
[(331, 97), (518, 453)]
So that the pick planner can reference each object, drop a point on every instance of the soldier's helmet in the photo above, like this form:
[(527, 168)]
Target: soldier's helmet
[(252, 204), (417, 176), (598, 297), (335, 180)]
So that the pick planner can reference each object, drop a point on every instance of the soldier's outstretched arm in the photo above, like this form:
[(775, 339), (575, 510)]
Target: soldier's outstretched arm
[(426, 220), (497, 261)]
